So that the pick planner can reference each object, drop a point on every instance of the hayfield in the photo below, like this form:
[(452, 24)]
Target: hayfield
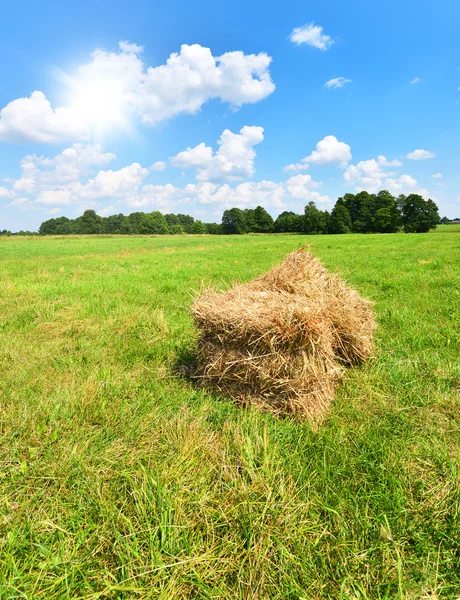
[(119, 478)]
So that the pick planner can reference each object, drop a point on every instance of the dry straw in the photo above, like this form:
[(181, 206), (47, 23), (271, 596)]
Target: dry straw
[(281, 341)]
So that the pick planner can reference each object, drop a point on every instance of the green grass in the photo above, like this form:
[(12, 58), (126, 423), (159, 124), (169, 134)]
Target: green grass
[(120, 479)]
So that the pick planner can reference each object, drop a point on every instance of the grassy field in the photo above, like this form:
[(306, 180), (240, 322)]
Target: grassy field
[(120, 479)]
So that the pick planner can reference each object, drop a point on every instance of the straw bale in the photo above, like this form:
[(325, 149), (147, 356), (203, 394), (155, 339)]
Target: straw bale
[(281, 340)]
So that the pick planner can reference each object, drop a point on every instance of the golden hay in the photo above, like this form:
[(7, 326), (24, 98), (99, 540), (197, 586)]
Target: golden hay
[(281, 340)]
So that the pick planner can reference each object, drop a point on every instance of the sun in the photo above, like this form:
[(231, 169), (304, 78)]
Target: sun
[(103, 105)]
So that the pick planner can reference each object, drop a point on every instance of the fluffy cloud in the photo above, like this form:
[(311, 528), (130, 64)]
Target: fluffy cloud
[(159, 165), (130, 48), (115, 88), (34, 120), (437, 176), (415, 80), (420, 155), (337, 82), (233, 161), (382, 160), (198, 157), (328, 151), (312, 35), (72, 180), (369, 174), (401, 185)]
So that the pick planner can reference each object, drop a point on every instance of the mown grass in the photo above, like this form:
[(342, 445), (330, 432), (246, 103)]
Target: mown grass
[(120, 479)]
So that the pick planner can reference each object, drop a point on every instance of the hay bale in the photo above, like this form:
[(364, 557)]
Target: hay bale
[(281, 340)]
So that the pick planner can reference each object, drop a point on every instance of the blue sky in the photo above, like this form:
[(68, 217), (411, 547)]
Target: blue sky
[(125, 106)]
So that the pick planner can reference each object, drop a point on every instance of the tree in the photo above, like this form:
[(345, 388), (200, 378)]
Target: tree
[(387, 218), (90, 223), (175, 230), (153, 223), (361, 210), (324, 221), (311, 219), (418, 215), (340, 219), (263, 222), (186, 222), (289, 222), (199, 227), (214, 228), (116, 224), (445, 221), (234, 221)]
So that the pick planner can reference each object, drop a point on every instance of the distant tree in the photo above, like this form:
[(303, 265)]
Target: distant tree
[(153, 223), (186, 222), (289, 222), (312, 219), (90, 223), (262, 221), (445, 221), (5, 232), (116, 224), (386, 218), (340, 219), (361, 210), (172, 220), (418, 215), (199, 227), (234, 221), (324, 221), (175, 230), (135, 220), (214, 228), (249, 219)]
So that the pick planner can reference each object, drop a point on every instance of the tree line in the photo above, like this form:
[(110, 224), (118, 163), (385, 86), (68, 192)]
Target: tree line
[(352, 213)]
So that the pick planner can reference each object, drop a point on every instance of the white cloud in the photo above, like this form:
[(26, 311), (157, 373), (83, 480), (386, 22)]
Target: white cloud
[(328, 151), (55, 211), (33, 120), (420, 155), (128, 48), (312, 35), (337, 82), (6, 193), (369, 174), (437, 176), (198, 157), (123, 183), (67, 181), (366, 175), (415, 80), (233, 161), (116, 88), (382, 160), (401, 185), (107, 211), (159, 165)]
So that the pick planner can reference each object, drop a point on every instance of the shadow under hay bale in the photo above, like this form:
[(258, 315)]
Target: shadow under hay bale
[(281, 341)]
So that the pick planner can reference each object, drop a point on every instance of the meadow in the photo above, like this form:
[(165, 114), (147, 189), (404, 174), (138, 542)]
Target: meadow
[(120, 478)]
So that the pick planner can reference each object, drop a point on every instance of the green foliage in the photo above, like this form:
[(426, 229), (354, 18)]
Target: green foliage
[(90, 223), (418, 215), (340, 221), (122, 479), (364, 213), (214, 228), (153, 223), (234, 221), (199, 227), (289, 222), (262, 221)]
